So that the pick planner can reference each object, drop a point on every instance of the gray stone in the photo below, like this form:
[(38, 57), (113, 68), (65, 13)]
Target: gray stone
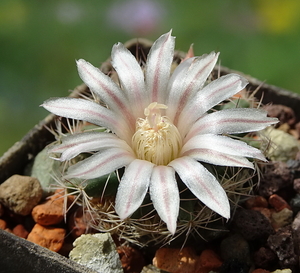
[(20, 194), (98, 252), (282, 243), (283, 146), (42, 169), (276, 176)]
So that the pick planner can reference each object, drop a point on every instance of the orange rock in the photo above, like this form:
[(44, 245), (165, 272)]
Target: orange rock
[(52, 211), (278, 203), (49, 237), (3, 224), (176, 260), (20, 231), (132, 260), (208, 261), (256, 201)]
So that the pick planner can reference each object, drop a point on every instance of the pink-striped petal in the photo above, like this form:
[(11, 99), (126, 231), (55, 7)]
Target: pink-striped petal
[(100, 164), (131, 77), (202, 184), (107, 90), (89, 111), (218, 158), (183, 86), (165, 195), (232, 121), (222, 144), (73, 145), (212, 94), (158, 67), (133, 187)]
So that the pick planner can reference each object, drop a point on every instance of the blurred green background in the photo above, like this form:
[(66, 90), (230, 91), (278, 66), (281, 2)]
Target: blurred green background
[(40, 41)]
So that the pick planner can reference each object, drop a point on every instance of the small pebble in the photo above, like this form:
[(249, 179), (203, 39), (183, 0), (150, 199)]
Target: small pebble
[(52, 211), (235, 247), (42, 169), (20, 231), (20, 193), (284, 113), (282, 243), (278, 203), (281, 218), (3, 224), (132, 259), (176, 260), (276, 176), (98, 252), (256, 201), (252, 225), (48, 237), (284, 146), (208, 261)]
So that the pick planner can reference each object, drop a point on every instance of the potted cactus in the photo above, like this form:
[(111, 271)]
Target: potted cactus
[(158, 147)]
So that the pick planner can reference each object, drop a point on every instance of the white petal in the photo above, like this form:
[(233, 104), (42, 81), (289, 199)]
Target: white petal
[(222, 144), (232, 121), (219, 158), (75, 144), (179, 73), (202, 184), (165, 195), (131, 77), (212, 94), (106, 89), (100, 164), (89, 111), (133, 187), (158, 67), (183, 86)]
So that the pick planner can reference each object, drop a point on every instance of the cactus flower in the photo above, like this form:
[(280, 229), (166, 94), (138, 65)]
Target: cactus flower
[(159, 124)]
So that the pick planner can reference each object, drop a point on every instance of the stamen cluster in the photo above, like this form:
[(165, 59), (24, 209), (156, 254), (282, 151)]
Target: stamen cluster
[(156, 139)]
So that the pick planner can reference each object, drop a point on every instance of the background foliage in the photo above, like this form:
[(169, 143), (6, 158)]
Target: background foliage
[(40, 41)]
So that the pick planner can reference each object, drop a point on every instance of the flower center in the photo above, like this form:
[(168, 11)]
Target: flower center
[(156, 138)]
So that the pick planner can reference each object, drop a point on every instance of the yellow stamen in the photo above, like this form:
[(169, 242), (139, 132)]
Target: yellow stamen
[(156, 138)]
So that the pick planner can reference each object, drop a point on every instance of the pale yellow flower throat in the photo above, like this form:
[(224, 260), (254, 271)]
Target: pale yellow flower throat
[(156, 138)]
